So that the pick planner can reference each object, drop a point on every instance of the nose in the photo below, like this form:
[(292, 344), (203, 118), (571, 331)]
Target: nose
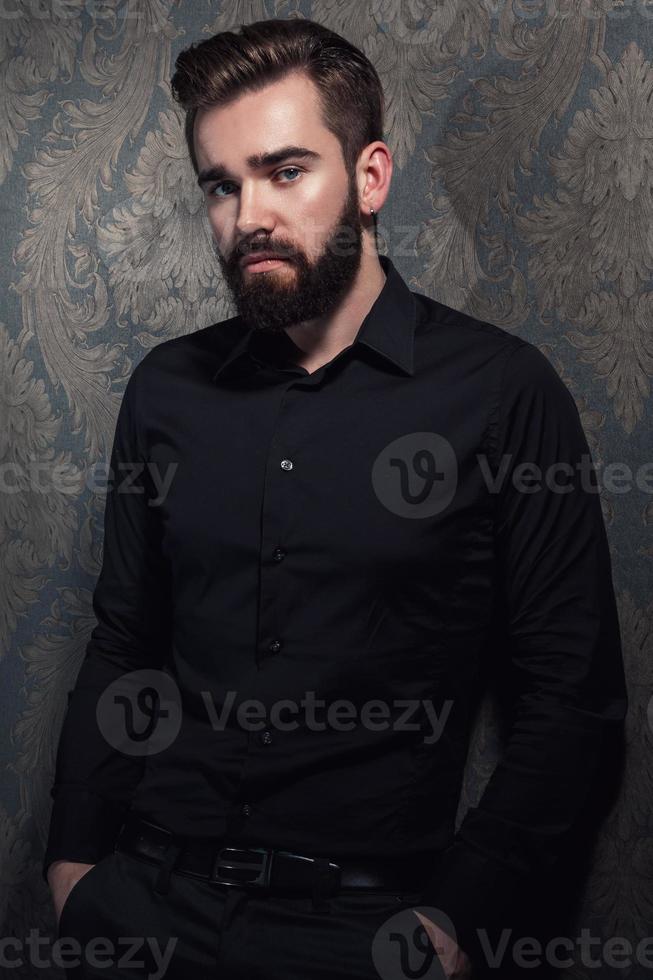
[(253, 214)]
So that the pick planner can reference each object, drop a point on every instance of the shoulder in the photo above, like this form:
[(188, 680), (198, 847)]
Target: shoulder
[(196, 354), (456, 331), (516, 363)]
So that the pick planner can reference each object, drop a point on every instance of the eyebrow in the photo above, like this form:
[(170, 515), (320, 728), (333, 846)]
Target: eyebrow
[(257, 161)]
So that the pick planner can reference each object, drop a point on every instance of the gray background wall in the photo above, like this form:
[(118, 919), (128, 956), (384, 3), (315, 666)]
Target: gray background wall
[(522, 135)]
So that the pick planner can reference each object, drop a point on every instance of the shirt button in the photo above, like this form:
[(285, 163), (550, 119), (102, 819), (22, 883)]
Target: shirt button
[(246, 809), (275, 646), (286, 464), (266, 737), (278, 554)]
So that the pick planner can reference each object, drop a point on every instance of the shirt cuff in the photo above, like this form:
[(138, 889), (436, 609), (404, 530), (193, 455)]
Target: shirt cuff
[(476, 894), (83, 827)]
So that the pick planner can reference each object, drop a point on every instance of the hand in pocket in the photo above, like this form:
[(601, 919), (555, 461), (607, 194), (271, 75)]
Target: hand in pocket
[(62, 878)]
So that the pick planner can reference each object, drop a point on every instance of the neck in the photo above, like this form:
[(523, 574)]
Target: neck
[(322, 339)]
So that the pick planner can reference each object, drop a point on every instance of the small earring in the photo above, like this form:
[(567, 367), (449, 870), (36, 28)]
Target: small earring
[(372, 211)]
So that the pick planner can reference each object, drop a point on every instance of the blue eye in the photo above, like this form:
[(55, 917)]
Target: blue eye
[(286, 169), (214, 189), (221, 184)]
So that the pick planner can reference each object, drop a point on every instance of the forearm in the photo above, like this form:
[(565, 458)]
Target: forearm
[(99, 760)]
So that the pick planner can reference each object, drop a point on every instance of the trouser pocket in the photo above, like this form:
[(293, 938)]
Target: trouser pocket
[(82, 890)]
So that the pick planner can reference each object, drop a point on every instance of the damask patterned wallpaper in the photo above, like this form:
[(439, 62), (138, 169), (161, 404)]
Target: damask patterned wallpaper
[(522, 136)]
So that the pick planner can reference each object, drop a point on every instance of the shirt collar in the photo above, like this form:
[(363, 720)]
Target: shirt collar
[(388, 329)]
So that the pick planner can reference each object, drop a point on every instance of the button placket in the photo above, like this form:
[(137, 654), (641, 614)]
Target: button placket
[(274, 513)]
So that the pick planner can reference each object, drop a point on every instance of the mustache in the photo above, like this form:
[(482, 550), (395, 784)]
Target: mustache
[(252, 248)]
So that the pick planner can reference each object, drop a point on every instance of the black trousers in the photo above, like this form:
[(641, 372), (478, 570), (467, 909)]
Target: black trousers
[(115, 924)]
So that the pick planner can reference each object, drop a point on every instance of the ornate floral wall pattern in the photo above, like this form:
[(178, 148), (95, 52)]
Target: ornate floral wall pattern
[(522, 136)]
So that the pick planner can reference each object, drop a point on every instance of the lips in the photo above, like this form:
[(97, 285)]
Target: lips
[(260, 257)]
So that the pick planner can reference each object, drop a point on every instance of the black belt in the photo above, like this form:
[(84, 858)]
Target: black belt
[(261, 867)]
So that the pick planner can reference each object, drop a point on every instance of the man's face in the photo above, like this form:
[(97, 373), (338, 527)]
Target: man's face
[(303, 209)]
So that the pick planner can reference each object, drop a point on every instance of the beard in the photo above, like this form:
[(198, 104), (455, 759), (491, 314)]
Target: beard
[(271, 301)]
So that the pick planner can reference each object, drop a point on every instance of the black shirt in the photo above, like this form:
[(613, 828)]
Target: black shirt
[(336, 535)]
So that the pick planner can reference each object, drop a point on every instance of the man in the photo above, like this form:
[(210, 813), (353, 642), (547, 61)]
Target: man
[(348, 495)]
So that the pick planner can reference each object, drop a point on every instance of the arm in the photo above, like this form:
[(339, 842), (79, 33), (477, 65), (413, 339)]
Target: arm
[(563, 653), (93, 781)]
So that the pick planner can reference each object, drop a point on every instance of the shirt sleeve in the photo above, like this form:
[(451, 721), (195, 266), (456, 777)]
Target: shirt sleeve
[(94, 781), (560, 652)]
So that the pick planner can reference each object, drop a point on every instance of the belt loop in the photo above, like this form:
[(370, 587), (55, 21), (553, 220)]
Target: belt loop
[(321, 874), (162, 883)]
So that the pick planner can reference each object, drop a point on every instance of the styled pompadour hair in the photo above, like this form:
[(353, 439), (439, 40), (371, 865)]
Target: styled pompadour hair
[(222, 67)]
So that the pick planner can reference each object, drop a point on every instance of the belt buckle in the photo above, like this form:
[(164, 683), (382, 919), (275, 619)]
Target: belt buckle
[(261, 880)]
